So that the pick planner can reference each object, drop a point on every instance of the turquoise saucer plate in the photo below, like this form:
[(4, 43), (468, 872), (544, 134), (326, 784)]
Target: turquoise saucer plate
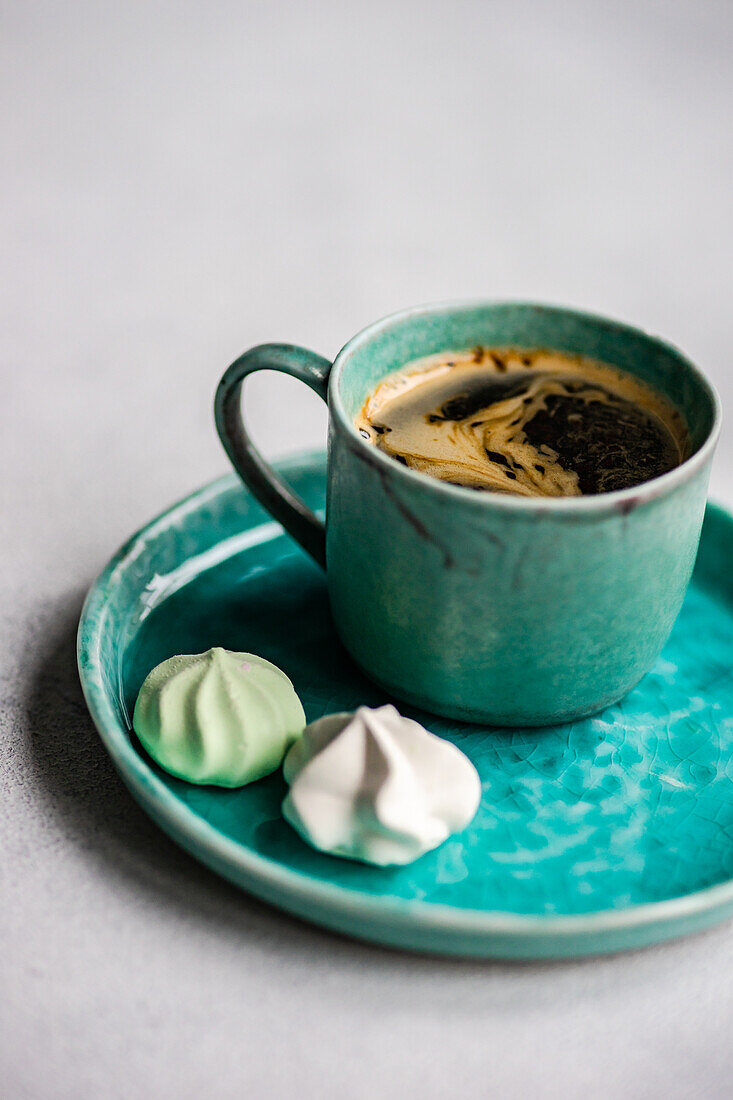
[(605, 834)]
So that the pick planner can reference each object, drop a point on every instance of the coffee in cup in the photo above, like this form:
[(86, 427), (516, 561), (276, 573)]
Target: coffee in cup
[(530, 423)]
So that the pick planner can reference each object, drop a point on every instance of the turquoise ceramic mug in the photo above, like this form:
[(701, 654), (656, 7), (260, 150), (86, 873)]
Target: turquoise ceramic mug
[(479, 606)]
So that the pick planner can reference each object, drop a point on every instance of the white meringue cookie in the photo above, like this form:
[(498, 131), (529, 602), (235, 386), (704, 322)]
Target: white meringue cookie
[(377, 787)]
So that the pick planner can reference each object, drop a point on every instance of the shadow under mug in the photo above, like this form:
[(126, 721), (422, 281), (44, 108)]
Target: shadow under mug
[(479, 606)]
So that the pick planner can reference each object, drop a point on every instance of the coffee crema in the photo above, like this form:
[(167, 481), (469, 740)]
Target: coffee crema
[(533, 423)]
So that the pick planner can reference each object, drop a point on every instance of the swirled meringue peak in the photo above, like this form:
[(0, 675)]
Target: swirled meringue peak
[(218, 717), (377, 787)]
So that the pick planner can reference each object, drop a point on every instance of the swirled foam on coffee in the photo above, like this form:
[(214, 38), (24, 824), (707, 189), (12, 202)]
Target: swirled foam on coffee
[(533, 423)]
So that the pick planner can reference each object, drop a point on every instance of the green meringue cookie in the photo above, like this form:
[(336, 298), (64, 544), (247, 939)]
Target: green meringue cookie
[(219, 717)]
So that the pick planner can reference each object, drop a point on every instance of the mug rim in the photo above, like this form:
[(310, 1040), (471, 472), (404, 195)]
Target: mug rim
[(593, 504)]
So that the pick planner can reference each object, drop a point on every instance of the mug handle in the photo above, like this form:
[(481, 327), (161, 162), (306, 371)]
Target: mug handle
[(272, 493)]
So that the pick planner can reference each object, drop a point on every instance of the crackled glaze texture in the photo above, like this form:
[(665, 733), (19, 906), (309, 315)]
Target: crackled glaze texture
[(579, 825)]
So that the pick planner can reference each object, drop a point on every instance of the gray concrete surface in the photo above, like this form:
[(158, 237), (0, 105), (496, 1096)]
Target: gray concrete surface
[(180, 181)]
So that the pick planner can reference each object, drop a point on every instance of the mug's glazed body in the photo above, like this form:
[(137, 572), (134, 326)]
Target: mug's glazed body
[(499, 609), (502, 616)]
